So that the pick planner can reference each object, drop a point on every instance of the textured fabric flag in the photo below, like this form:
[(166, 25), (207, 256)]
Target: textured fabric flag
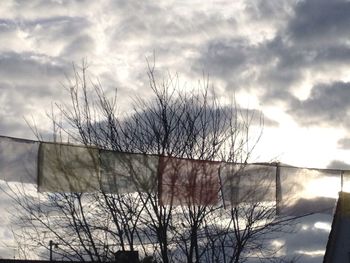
[(305, 191), (188, 182), (18, 160), (68, 168), (127, 173), (247, 183)]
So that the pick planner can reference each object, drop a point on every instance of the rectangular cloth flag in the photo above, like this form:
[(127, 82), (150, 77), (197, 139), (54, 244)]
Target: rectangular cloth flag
[(18, 160), (128, 172), (248, 183), (58, 167), (188, 182), (68, 168)]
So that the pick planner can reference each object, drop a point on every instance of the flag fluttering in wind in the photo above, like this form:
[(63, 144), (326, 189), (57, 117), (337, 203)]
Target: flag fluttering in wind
[(58, 167), (18, 160)]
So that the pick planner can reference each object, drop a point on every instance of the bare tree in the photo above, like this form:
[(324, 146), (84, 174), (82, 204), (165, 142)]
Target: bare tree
[(172, 124)]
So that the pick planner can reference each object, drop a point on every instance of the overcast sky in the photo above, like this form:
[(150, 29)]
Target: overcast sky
[(288, 58)]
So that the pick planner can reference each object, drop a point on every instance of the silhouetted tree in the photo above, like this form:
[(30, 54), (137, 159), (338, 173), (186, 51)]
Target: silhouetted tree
[(173, 122)]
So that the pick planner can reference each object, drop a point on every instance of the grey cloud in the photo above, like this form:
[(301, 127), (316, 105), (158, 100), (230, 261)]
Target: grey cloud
[(224, 58), (296, 57), (285, 65), (21, 9), (337, 54), (29, 66), (303, 206), (139, 32), (314, 40), (335, 164), (303, 236), (271, 10), (16, 109), (79, 48), (219, 52), (179, 21), (7, 25), (181, 30), (259, 118), (142, 7), (273, 65), (55, 31), (320, 21), (42, 35), (313, 239), (277, 84), (15, 127), (344, 143), (29, 82), (138, 19), (307, 237), (51, 22), (240, 64), (327, 105)]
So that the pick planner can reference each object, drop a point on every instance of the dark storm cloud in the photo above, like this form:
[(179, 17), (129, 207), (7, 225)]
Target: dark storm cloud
[(328, 104)]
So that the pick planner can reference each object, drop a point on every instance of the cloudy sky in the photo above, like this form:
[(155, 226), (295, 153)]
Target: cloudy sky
[(287, 58)]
